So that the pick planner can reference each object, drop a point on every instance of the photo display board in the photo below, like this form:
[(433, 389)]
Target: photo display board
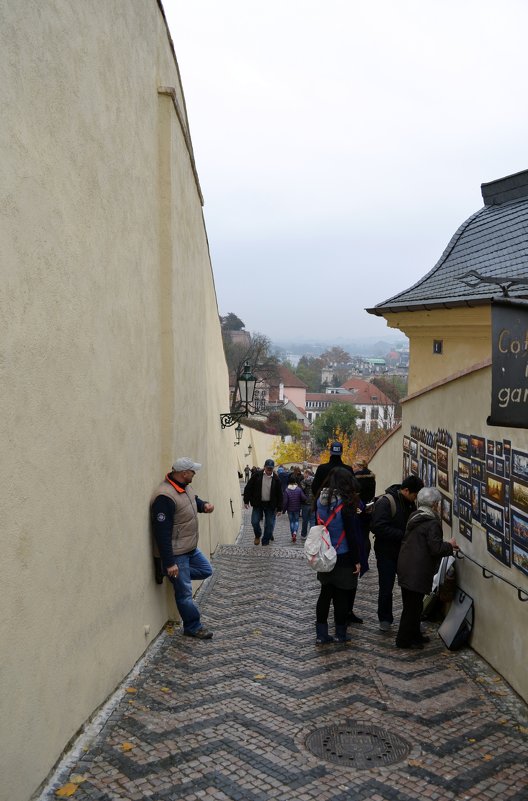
[(484, 487)]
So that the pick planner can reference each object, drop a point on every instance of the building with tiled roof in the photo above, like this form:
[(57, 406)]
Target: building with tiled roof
[(464, 423), (375, 409), (488, 251), (286, 386)]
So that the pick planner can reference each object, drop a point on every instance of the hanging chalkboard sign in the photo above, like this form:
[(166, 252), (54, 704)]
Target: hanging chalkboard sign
[(509, 369)]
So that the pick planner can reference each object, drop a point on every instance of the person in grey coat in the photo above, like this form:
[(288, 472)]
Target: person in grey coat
[(420, 553)]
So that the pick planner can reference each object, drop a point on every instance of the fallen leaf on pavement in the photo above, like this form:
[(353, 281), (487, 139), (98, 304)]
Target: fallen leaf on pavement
[(66, 790)]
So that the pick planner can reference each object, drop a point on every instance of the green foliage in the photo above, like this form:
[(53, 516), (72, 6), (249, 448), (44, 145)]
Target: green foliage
[(231, 322), (288, 452), (340, 416), (295, 429), (394, 387), (309, 371), (277, 422)]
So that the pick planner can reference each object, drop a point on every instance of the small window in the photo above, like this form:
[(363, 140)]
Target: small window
[(438, 345)]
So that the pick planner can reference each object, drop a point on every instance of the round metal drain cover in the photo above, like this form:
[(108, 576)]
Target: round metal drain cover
[(357, 746)]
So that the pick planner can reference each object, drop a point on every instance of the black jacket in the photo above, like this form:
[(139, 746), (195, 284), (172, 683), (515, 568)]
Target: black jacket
[(388, 529), (324, 470), (420, 552), (367, 485), (253, 491)]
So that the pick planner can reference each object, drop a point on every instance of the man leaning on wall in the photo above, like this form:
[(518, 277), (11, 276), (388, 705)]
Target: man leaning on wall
[(174, 516)]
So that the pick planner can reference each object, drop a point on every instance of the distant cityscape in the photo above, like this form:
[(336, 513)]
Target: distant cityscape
[(367, 348)]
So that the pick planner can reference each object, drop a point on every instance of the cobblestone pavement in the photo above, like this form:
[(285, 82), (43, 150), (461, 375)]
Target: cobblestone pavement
[(235, 718)]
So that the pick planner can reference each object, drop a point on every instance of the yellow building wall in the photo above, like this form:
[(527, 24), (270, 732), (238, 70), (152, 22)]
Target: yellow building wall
[(465, 334), (262, 448), (462, 406), (111, 359)]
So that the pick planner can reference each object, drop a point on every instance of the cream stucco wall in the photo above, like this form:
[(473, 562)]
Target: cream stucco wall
[(387, 461), (463, 331), (262, 448), (111, 359), (462, 406)]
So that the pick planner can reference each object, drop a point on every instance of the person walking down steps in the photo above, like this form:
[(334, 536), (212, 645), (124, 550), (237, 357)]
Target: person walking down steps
[(337, 503), (293, 500)]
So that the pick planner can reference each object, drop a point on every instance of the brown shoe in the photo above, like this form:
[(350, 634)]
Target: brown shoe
[(201, 634), (256, 541)]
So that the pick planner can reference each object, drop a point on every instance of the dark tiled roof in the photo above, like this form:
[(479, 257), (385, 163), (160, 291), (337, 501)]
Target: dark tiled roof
[(286, 377), (493, 242)]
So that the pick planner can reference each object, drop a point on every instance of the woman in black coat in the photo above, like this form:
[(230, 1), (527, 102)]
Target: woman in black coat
[(420, 553)]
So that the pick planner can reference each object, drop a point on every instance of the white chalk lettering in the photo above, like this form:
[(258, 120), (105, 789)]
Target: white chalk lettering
[(511, 344), (507, 395)]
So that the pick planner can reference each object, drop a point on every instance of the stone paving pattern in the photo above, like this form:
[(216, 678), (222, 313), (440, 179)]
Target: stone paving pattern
[(227, 719)]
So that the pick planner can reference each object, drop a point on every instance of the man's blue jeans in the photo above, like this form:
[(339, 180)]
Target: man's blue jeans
[(308, 518), (387, 576), (192, 566), (269, 522)]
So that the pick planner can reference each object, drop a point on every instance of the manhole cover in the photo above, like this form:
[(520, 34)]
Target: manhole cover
[(357, 745)]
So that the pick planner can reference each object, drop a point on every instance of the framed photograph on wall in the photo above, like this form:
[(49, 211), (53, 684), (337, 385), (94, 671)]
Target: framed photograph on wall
[(494, 517), (475, 499), (495, 489), (464, 469), (406, 443), (490, 450), (499, 466), (431, 477), (443, 479), (519, 494), (498, 448), (477, 447), (447, 511), (520, 557), (442, 458), (464, 511), (478, 470), (463, 448), (496, 546), (519, 464), (465, 530), (519, 528), (464, 490), (490, 464)]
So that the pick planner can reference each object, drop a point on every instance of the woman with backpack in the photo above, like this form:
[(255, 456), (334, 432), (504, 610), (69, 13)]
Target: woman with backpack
[(336, 508), (293, 499)]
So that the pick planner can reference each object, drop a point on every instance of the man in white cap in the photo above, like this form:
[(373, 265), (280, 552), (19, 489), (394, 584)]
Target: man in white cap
[(263, 491), (173, 513)]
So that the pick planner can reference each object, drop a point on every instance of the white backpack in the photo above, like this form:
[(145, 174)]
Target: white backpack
[(318, 548)]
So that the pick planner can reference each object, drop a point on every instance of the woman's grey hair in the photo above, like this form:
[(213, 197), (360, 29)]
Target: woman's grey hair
[(427, 497)]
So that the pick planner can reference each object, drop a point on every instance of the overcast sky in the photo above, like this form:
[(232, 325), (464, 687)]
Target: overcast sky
[(340, 144)]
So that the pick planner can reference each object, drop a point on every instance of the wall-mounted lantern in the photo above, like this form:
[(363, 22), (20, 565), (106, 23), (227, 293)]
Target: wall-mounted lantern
[(246, 390)]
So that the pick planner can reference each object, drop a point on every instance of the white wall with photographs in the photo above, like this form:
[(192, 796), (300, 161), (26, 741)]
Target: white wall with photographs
[(482, 473)]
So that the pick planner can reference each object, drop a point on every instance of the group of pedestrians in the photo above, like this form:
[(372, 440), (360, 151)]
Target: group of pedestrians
[(405, 521)]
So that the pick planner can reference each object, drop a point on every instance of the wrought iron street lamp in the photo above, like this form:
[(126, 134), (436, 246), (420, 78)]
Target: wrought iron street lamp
[(246, 390), (238, 434)]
